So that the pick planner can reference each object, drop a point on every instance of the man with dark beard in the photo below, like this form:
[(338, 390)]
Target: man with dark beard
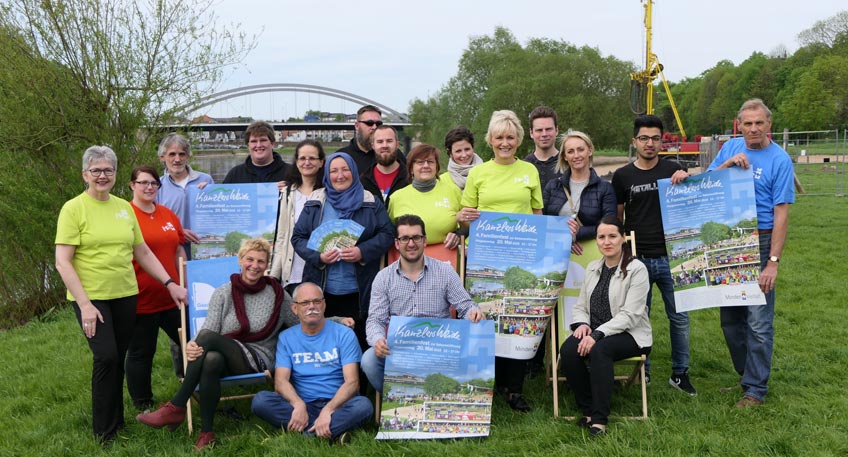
[(386, 175), (368, 119)]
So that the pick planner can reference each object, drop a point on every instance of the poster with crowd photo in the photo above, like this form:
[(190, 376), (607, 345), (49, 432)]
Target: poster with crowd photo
[(577, 265), (203, 277), (438, 380), (515, 269), (710, 223), (223, 215)]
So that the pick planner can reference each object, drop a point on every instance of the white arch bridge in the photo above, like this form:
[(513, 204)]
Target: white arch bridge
[(389, 114)]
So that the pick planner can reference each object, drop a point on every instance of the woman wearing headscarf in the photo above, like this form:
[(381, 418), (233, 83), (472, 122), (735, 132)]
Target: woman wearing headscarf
[(346, 274)]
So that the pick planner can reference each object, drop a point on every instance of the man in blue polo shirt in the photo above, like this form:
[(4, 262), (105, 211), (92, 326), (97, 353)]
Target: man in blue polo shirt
[(749, 330)]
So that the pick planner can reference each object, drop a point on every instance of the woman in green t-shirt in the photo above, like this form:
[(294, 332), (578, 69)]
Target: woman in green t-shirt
[(508, 185), (97, 238)]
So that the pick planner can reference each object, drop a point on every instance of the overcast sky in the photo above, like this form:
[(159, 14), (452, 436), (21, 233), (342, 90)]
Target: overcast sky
[(394, 52)]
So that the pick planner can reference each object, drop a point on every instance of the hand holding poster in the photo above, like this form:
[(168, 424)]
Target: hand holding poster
[(439, 379), (335, 234), (515, 270), (710, 223)]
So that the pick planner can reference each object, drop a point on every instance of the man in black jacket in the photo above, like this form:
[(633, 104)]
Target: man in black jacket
[(388, 174), (263, 164)]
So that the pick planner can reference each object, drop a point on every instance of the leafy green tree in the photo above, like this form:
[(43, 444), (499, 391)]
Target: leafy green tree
[(232, 241), (516, 278), (713, 232), (439, 384), (825, 31), (588, 91), (74, 73)]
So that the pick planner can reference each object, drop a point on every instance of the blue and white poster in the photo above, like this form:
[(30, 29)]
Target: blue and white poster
[(515, 269), (439, 379), (203, 277), (223, 215), (710, 223)]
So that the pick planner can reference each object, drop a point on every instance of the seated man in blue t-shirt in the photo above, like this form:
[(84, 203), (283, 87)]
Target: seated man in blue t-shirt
[(316, 382)]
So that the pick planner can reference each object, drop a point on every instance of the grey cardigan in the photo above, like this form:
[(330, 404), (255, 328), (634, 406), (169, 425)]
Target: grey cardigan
[(628, 301)]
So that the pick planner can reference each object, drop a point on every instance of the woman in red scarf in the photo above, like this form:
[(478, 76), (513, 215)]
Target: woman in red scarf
[(239, 336)]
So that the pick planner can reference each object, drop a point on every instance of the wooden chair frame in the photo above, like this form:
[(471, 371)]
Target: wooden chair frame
[(637, 374), (186, 333)]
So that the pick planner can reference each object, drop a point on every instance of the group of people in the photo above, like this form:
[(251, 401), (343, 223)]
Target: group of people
[(119, 260)]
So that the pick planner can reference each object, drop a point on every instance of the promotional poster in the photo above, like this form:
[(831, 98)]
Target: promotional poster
[(710, 223), (515, 270), (223, 215), (439, 379)]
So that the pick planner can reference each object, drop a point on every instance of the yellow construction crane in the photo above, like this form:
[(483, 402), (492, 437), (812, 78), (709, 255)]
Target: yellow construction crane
[(642, 82)]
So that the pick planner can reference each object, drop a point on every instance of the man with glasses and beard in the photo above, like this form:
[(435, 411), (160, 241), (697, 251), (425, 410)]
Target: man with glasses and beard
[(416, 286), (635, 187), (387, 174)]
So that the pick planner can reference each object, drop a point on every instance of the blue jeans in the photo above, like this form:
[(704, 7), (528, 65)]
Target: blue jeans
[(374, 367), (749, 333), (275, 410), (659, 273)]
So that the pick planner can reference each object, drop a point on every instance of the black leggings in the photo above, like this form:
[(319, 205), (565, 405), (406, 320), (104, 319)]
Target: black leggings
[(222, 357)]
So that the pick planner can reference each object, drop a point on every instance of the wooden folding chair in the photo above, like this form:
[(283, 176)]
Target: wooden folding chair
[(636, 374), (216, 274)]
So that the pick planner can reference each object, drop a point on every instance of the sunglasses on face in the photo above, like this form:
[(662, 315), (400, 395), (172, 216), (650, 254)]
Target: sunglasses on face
[(371, 123)]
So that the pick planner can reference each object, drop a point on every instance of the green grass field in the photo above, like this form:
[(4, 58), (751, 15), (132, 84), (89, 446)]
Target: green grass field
[(45, 390)]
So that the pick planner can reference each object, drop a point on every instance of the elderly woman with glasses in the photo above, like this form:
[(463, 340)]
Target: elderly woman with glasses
[(436, 201), (97, 238), (155, 309)]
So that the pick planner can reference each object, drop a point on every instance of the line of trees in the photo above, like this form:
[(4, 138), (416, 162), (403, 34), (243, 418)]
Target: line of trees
[(807, 90)]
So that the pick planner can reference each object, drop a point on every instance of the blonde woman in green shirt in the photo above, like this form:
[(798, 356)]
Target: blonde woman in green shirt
[(508, 185)]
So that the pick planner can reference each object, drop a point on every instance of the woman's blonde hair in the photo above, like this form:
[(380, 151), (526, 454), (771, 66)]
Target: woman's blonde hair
[(504, 121), (254, 244), (562, 163)]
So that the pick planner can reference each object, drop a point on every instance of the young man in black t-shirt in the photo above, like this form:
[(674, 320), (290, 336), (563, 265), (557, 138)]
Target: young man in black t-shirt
[(635, 187)]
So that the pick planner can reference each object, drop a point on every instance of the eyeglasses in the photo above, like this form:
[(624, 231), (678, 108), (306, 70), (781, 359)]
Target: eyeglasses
[(152, 184), (315, 302), (371, 123), (307, 159), (405, 239), (645, 138), (101, 171), (421, 163)]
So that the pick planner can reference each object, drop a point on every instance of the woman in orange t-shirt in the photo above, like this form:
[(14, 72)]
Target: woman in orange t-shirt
[(164, 235)]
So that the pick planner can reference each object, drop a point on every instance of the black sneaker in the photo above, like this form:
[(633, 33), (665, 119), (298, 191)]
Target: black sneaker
[(680, 381), (518, 403)]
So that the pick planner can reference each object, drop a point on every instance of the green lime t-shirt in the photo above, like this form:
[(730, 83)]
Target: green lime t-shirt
[(104, 234), (436, 208), (513, 188)]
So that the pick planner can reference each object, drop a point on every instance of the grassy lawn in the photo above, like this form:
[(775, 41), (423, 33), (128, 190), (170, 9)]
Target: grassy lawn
[(45, 374)]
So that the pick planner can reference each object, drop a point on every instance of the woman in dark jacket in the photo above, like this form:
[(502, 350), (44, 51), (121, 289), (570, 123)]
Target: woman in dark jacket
[(345, 275), (579, 193)]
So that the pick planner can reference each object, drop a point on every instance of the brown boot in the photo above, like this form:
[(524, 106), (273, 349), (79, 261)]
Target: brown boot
[(206, 439), (167, 416)]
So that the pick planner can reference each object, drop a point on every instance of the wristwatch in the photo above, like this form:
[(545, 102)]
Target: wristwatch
[(775, 259)]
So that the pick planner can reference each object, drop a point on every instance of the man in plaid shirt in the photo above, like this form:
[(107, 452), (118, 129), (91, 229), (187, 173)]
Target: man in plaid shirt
[(416, 286)]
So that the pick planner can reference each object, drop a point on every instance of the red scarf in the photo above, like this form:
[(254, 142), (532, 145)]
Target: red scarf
[(239, 290)]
